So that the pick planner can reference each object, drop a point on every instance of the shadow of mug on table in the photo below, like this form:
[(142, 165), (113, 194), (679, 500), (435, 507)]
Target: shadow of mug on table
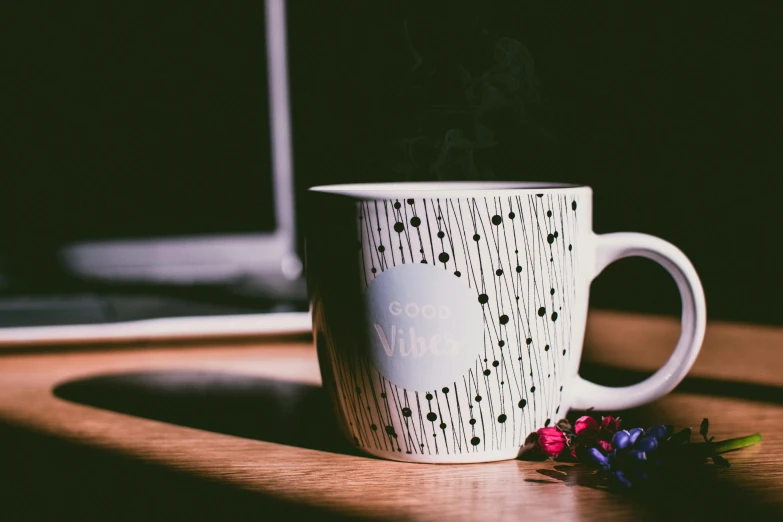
[(285, 413), (247, 406)]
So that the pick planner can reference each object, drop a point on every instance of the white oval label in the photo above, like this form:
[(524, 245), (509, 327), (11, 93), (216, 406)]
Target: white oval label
[(425, 326)]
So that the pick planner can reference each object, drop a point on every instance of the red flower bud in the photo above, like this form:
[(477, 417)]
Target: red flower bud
[(574, 450), (604, 445), (610, 424), (551, 441), (586, 427)]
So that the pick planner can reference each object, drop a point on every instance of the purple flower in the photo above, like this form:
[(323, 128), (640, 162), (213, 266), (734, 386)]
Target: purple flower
[(646, 444), (635, 434), (631, 457), (599, 458), (621, 440)]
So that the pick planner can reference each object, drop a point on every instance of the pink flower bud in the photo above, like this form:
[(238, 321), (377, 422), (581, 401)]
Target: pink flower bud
[(611, 424), (574, 450), (604, 445), (551, 441), (586, 427)]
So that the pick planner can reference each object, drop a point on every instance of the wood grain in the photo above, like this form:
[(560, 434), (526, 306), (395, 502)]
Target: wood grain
[(342, 483), (643, 342)]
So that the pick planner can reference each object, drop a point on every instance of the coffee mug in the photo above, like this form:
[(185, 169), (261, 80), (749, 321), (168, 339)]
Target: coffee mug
[(449, 318)]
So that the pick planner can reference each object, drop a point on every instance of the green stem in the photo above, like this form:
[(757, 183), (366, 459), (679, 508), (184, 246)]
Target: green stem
[(735, 444)]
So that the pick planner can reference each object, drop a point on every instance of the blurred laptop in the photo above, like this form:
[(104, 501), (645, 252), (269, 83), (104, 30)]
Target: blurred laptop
[(149, 190)]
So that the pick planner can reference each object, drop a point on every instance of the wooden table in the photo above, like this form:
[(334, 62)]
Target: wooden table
[(216, 431)]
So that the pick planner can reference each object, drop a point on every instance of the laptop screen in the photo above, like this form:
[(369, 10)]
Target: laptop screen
[(138, 178)]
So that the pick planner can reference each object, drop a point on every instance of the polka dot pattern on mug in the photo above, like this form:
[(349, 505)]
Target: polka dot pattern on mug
[(519, 258)]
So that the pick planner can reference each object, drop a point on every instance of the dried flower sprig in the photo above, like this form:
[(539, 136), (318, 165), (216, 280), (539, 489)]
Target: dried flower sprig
[(631, 457)]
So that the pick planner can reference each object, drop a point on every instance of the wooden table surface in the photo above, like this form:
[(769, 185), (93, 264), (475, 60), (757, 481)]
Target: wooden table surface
[(218, 431)]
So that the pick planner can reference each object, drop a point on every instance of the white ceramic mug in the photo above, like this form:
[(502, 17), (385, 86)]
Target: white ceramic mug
[(449, 317)]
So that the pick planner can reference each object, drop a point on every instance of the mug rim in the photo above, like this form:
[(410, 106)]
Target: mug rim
[(386, 190)]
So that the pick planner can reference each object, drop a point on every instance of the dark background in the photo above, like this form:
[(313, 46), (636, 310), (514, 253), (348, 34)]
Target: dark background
[(670, 112), (128, 120)]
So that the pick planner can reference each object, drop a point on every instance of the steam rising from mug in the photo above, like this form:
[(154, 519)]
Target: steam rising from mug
[(484, 114)]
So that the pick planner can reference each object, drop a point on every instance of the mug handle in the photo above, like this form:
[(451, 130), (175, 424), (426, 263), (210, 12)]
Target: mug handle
[(610, 248)]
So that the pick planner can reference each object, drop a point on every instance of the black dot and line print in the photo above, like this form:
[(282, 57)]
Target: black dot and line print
[(440, 231)]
